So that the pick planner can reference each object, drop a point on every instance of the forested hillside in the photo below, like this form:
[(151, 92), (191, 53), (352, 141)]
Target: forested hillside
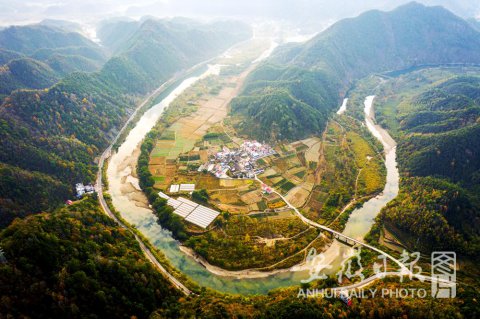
[(319, 72), (438, 135), (28, 39), (431, 214), (58, 131), (65, 25), (115, 33), (7, 55), (37, 56), (474, 23), (77, 263), (442, 132), (25, 73)]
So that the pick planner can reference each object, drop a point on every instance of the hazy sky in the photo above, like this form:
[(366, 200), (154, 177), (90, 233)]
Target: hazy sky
[(21, 12)]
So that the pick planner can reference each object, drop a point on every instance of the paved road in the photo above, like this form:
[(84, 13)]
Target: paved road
[(148, 253), (404, 271), (403, 268), (99, 185)]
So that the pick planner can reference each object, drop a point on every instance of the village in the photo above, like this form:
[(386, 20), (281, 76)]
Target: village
[(238, 163)]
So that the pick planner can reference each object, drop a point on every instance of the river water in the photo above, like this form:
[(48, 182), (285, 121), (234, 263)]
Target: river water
[(131, 205), (362, 218)]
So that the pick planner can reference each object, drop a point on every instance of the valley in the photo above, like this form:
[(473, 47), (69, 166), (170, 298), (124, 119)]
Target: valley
[(244, 220), (335, 180), (52, 136), (241, 166), (454, 109)]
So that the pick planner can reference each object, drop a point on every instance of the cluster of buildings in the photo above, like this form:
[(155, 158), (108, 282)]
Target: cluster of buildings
[(238, 163), (84, 189)]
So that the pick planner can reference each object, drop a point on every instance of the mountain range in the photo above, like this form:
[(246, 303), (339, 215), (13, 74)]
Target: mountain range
[(292, 94), (37, 56), (73, 261), (50, 137)]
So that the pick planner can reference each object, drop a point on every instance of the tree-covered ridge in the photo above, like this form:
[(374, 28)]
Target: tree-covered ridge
[(65, 25), (435, 117), (30, 38), (77, 263), (188, 36), (26, 73), (376, 41), (7, 55), (321, 70), (441, 132), (37, 56), (177, 45), (437, 215), (115, 33), (29, 73), (475, 23), (285, 102), (17, 186), (277, 114), (59, 131)]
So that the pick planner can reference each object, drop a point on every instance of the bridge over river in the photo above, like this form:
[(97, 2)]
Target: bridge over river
[(239, 282)]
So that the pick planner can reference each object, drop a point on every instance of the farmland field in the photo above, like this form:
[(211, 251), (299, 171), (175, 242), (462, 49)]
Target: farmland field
[(318, 175)]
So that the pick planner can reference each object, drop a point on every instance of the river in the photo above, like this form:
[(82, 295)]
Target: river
[(362, 218), (131, 203)]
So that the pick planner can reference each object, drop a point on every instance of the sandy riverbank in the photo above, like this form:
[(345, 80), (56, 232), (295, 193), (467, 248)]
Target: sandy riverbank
[(238, 274)]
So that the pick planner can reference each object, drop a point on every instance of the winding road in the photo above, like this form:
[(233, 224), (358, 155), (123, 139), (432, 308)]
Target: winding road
[(389, 144), (404, 271), (147, 252), (403, 268), (99, 184)]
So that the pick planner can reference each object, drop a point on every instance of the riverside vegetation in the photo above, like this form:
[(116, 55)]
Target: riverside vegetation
[(74, 262), (436, 123), (49, 138), (77, 263)]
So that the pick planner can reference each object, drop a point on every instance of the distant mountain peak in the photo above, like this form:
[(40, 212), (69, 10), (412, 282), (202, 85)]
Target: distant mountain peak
[(375, 41)]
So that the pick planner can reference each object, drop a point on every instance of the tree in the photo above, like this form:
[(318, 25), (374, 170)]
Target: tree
[(200, 196)]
